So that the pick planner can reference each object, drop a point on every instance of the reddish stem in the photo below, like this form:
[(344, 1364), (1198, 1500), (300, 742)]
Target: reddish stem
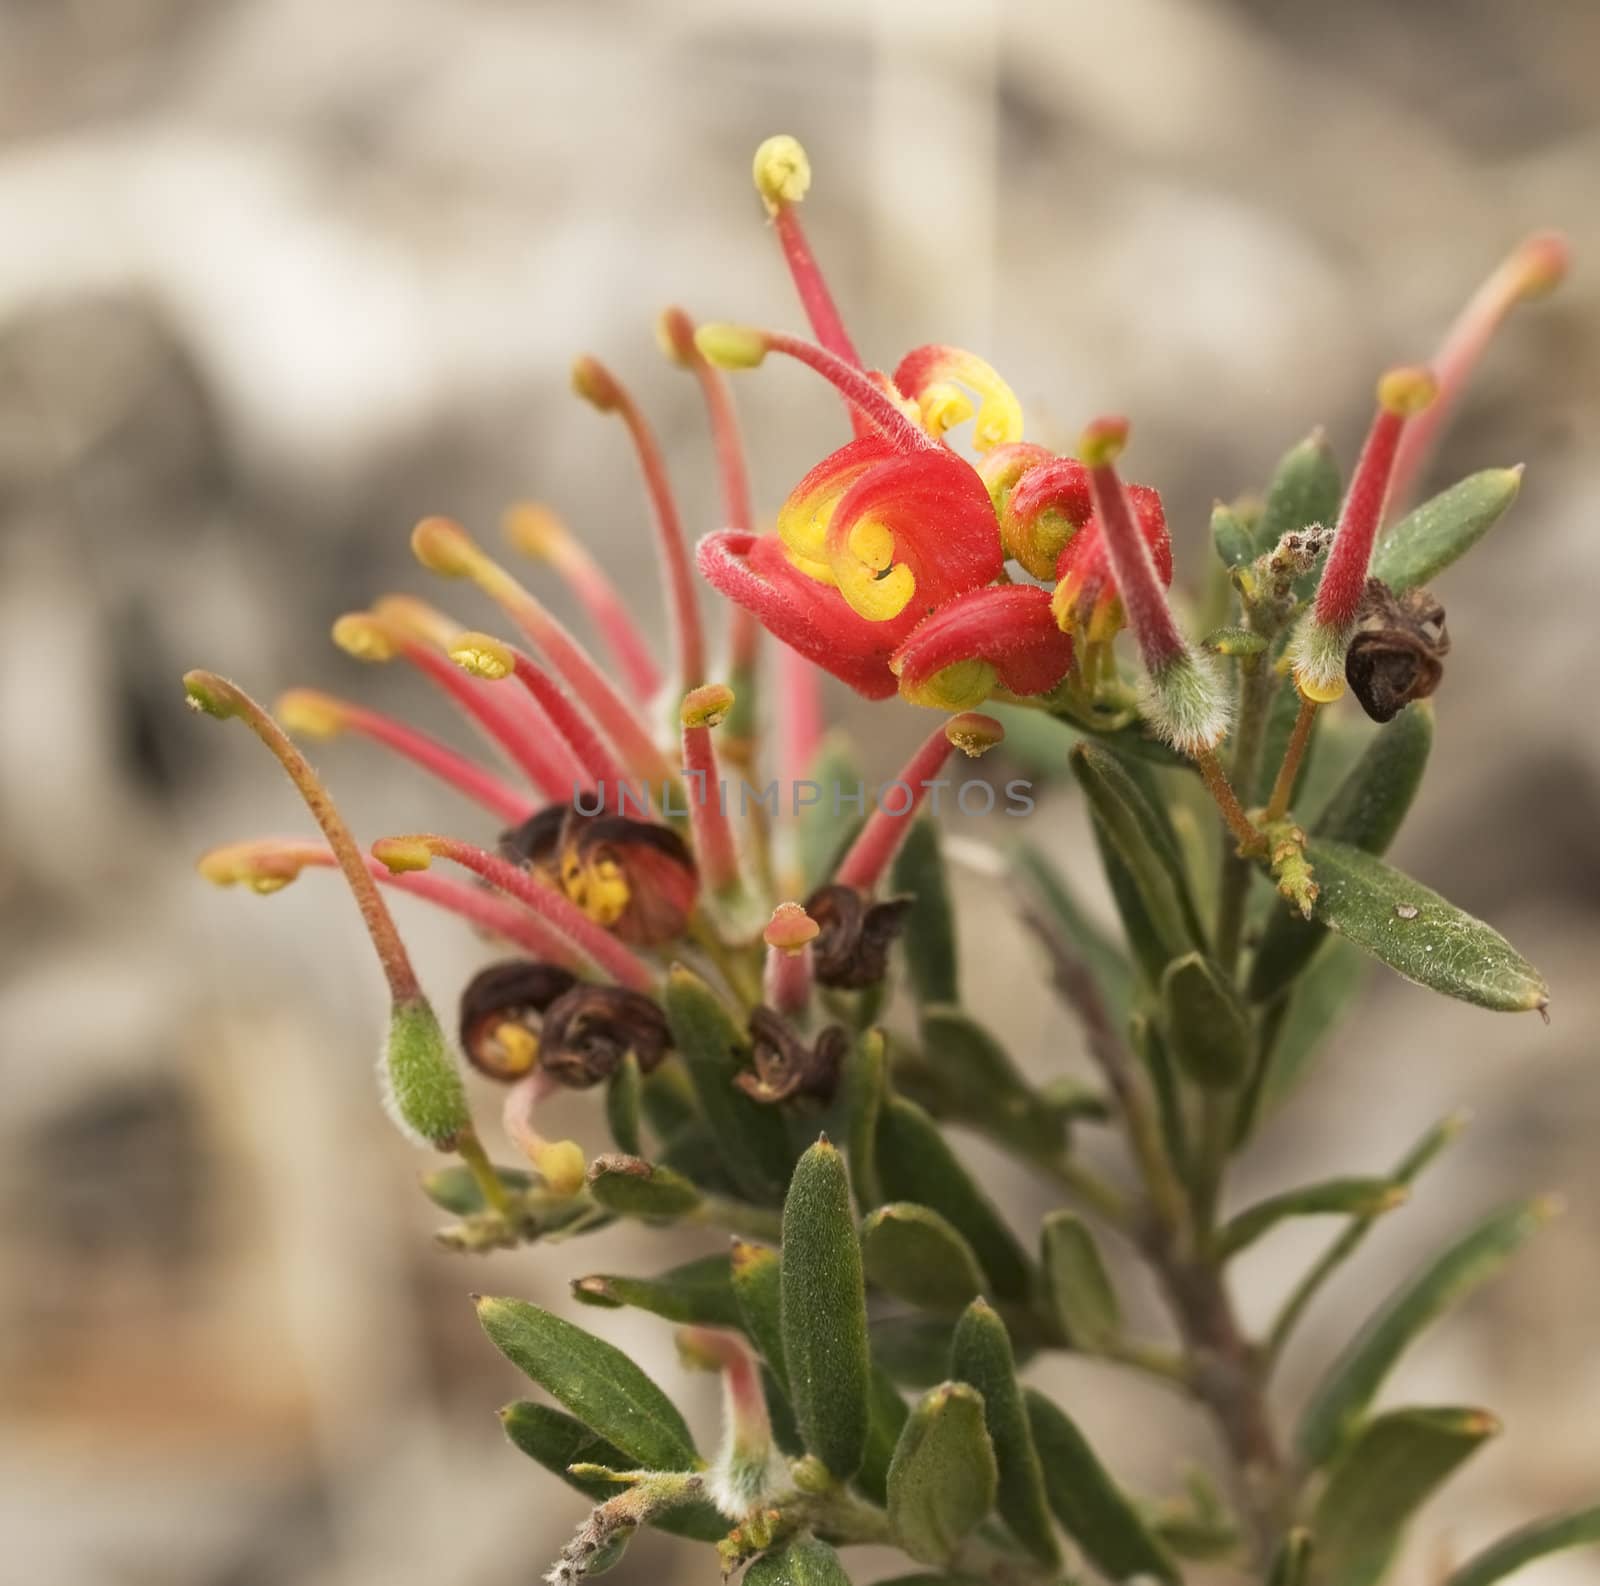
[(868, 399), (715, 850), (879, 840), (594, 755)]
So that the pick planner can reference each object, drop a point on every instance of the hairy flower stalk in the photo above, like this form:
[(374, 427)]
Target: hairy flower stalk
[(598, 386), (715, 846), (868, 858), (309, 713), (790, 970), (535, 531)]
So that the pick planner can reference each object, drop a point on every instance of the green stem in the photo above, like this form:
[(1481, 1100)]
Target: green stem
[(1256, 685)]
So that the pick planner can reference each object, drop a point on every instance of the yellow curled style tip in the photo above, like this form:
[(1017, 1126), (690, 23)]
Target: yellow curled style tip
[(781, 171)]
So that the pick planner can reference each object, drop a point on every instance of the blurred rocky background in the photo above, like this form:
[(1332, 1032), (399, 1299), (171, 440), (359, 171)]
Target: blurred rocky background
[(279, 276)]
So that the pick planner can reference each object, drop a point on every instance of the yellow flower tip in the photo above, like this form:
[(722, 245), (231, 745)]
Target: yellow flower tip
[(310, 713), (362, 635), (263, 868), (675, 336), (536, 531), (701, 1349), (482, 655), (210, 694), (1541, 264), (1407, 391), (561, 1164), (706, 706), (974, 734), (444, 547), (1546, 1208), (790, 928), (1395, 1196), (782, 172), (1102, 442), (1319, 690), (963, 685), (943, 406), (402, 854), (596, 384), (410, 618), (731, 346)]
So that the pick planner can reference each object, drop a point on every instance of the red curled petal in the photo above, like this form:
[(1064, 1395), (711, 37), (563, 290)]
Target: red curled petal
[(938, 510), (811, 618), (1048, 505), (1009, 627), (1085, 586)]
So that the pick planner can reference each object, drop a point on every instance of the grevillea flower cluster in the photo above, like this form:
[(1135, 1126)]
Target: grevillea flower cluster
[(722, 966)]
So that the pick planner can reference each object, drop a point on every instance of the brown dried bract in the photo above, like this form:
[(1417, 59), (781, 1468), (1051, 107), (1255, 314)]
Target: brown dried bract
[(1397, 654), (785, 1066), (590, 1029), (502, 1011), (851, 951)]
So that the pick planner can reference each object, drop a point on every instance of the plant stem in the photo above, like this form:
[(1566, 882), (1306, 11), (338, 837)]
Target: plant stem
[(1221, 789), (1283, 788)]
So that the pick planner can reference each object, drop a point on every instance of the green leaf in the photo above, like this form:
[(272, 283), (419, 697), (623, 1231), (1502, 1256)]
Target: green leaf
[(967, 1076), (980, 1354), (803, 1561), (825, 829), (751, 1138), (886, 1419), (1143, 846), (757, 1279), (914, 1351), (455, 1190), (1554, 1534), (1090, 1506), (1305, 490), (823, 1312), (1418, 934), (1394, 1465), (911, 1252), (1353, 1380), (668, 1100), (866, 1085), (1234, 641), (595, 1380), (943, 1478), (1315, 1006), (1232, 536), (1426, 541), (1077, 1284), (1145, 1037), (1206, 1026), (699, 1293), (1365, 811), (1291, 1564), (1337, 1197), (1055, 906), (556, 1441), (928, 936), (631, 1187), (916, 1164), (624, 1094)]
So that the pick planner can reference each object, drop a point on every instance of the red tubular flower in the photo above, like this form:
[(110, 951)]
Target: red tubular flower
[(1004, 636), (1324, 638), (1086, 600)]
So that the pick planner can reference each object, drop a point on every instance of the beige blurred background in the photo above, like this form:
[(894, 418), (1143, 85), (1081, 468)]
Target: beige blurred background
[(279, 276)]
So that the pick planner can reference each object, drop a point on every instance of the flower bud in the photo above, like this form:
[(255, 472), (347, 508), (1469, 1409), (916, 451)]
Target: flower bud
[(421, 1084)]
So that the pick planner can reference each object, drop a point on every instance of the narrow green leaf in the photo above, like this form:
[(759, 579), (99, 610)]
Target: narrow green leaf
[(751, 1138), (1092, 1509), (914, 1350), (1054, 904), (557, 1441), (1291, 1564), (943, 1478), (1077, 1284), (1418, 934), (668, 1099), (1131, 829), (1206, 1026), (972, 1080), (928, 936), (803, 1561), (1337, 1197), (1426, 541), (756, 1277), (823, 1312), (1234, 642), (624, 1094), (455, 1190), (914, 1254), (1393, 1466), (1554, 1534), (631, 1187), (698, 1293), (1315, 1007), (824, 829), (1353, 1380), (1305, 489), (866, 1085), (1232, 536), (1145, 1036), (1365, 811), (980, 1354), (916, 1164), (886, 1419), (595, 1380)]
